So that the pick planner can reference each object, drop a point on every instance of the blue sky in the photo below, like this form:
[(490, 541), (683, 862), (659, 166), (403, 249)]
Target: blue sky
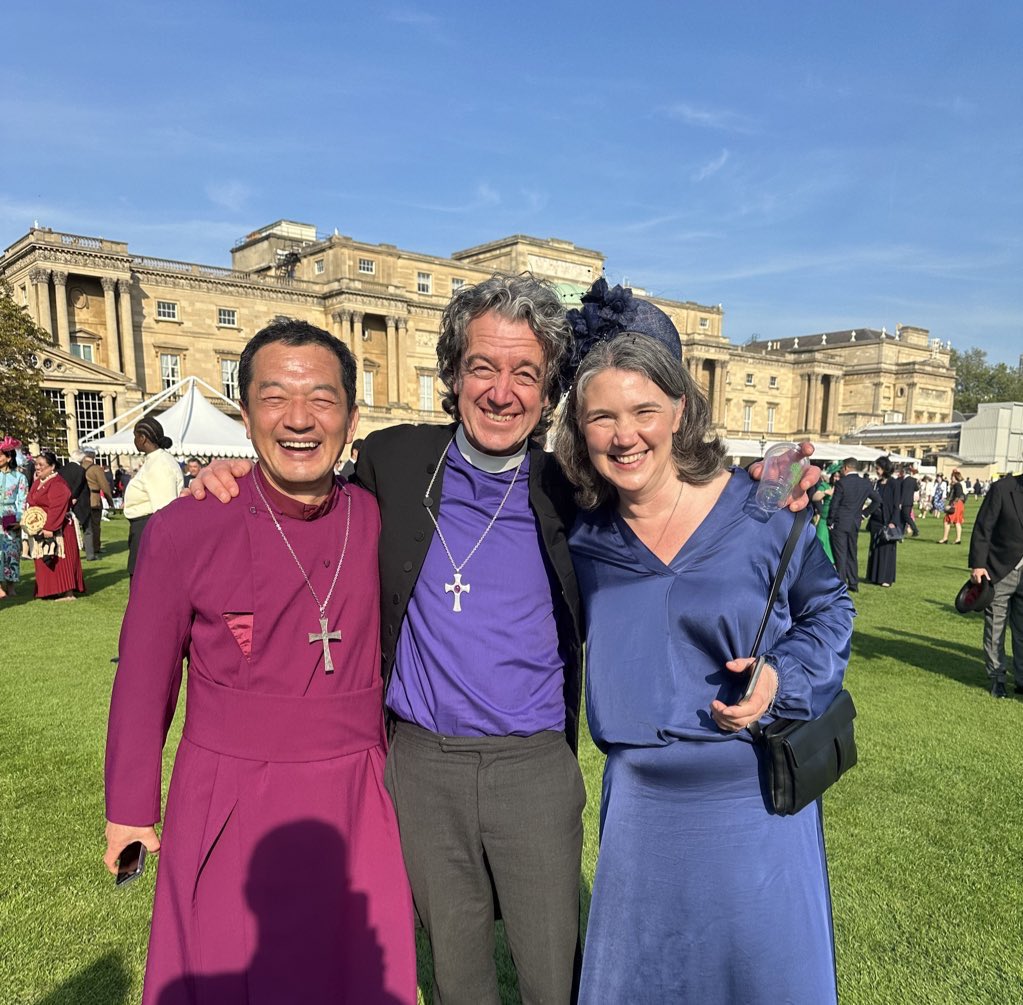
[(810, 166)]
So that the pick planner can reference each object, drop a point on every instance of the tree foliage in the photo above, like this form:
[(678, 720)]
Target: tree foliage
[(978, 381), (25, 411)]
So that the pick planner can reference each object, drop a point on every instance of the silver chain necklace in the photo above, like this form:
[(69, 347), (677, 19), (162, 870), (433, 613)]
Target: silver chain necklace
[(458, 587), (323, 635)]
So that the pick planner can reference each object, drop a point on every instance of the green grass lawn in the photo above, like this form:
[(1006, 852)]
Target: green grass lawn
[(922, 835)]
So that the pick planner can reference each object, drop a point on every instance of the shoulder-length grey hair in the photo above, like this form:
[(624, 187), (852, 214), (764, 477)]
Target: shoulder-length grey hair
[(515, 298), (697, 458)]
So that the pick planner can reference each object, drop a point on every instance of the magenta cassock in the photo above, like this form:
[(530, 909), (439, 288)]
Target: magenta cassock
[(280, 876)]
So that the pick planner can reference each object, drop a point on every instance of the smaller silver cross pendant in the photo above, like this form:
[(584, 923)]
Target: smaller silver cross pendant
[(457, 588), (325, 637)]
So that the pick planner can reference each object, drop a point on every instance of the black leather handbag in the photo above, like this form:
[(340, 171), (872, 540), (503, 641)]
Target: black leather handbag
[(890, 534), (805, 757)]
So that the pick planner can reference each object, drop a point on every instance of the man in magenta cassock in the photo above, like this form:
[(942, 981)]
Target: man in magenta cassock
[(281, 876)]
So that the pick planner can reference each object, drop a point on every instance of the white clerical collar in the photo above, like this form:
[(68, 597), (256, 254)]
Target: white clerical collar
[(490, 463)]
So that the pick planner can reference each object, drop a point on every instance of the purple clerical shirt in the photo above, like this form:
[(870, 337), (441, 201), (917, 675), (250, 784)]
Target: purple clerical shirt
[(494, 667)]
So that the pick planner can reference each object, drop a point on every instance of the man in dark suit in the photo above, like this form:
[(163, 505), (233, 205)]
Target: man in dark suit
[(847, 512), (909, 490), (74, 474), (996, 554)]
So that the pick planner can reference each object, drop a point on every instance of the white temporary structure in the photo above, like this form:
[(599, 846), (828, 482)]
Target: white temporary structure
[(746, 450), (193, 423)]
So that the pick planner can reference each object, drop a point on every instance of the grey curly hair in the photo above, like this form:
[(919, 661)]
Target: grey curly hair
[(697, 458), (515, 298)]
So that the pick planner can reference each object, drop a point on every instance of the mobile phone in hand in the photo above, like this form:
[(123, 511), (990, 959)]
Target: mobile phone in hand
[(754, 678), (131, 863)]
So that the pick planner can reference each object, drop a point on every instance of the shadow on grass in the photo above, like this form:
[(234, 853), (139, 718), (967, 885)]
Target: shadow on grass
[(104, 982), (960, 662)]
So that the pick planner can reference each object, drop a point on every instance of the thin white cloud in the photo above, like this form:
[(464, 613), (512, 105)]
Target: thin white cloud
[(712, 167), (231, 194), (708, 118)]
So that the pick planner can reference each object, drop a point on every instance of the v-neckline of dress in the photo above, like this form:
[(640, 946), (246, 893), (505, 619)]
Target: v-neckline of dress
[(646, 557)]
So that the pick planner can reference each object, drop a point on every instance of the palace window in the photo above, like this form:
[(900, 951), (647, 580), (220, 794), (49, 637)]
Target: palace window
[(770, 418), (367, 386), (457, 284), (747, 418), (83, 350), (772, 381), (368, 266), (318, 266), (229, 378), (88, 412), (227, 317), (749, 380), (59, 436), (170, 369), (425, 392), (424, 282), (166, 310), (704, 322)]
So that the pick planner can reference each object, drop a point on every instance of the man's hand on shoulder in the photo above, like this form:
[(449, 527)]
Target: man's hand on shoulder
[(800, 498), (218, 479)]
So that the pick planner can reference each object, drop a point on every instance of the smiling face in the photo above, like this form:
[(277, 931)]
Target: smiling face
[(298, 417), (500, 387), (628, 423)]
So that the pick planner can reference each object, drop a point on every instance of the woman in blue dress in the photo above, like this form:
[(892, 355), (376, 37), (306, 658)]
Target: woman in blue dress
[(701, 893)]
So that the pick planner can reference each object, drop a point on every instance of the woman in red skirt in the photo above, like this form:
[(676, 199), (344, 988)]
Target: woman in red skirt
[(55, 546), (955, 508)]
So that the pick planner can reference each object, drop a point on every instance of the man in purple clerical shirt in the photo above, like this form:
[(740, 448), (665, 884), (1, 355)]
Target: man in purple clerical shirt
[(481, 630), (281, 875)]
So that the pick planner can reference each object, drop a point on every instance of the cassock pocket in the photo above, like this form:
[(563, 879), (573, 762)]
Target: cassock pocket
[(239, 624)]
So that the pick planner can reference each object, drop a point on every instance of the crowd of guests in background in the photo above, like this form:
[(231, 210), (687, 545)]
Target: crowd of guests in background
[(53, 511)]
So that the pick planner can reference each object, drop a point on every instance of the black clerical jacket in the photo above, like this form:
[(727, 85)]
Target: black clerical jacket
[(396, 465)]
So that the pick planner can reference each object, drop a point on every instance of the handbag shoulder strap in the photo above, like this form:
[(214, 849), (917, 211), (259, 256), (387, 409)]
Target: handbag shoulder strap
[(790, 546)]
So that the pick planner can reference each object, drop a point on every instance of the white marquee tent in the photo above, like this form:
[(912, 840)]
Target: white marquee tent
[(194, 425), (741, 449)]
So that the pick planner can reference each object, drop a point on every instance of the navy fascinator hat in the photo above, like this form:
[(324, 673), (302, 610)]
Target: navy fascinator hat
[(610, 311)]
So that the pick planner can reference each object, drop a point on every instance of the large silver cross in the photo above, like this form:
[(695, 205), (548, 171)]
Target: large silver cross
[(457, 588), (325, 637)]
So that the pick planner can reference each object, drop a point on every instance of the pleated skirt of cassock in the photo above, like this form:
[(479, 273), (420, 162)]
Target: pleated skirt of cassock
[(701, 895)]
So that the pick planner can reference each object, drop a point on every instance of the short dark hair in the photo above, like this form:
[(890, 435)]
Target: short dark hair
[(357, 444), (885, 464), (196, 459), (292, 332), (850, 462), (49, 456)]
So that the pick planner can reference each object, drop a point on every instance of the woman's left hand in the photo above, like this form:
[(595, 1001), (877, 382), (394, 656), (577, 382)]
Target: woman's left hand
[(800, 495), (733, 718)]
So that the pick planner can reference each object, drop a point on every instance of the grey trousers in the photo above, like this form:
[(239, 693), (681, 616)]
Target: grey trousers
[(472, 808), (1006, 609)]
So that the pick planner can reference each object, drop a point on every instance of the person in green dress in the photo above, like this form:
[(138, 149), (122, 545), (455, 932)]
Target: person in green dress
[(822, 495)]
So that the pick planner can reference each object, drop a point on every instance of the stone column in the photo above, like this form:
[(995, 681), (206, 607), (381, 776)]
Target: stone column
[(801, 421), (128, 332), (402, 341), (814, 398), (392, 360), (355, 319), (910, 394), (344, 320), (110, 307), (41, 279), (72, 419), (60, 293), (719, 411), (836, 390)]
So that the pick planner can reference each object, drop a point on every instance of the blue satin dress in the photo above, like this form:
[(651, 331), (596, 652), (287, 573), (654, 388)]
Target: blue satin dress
[(701, 893)]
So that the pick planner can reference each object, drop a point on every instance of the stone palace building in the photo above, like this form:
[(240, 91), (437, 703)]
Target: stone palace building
[(126, 326)]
